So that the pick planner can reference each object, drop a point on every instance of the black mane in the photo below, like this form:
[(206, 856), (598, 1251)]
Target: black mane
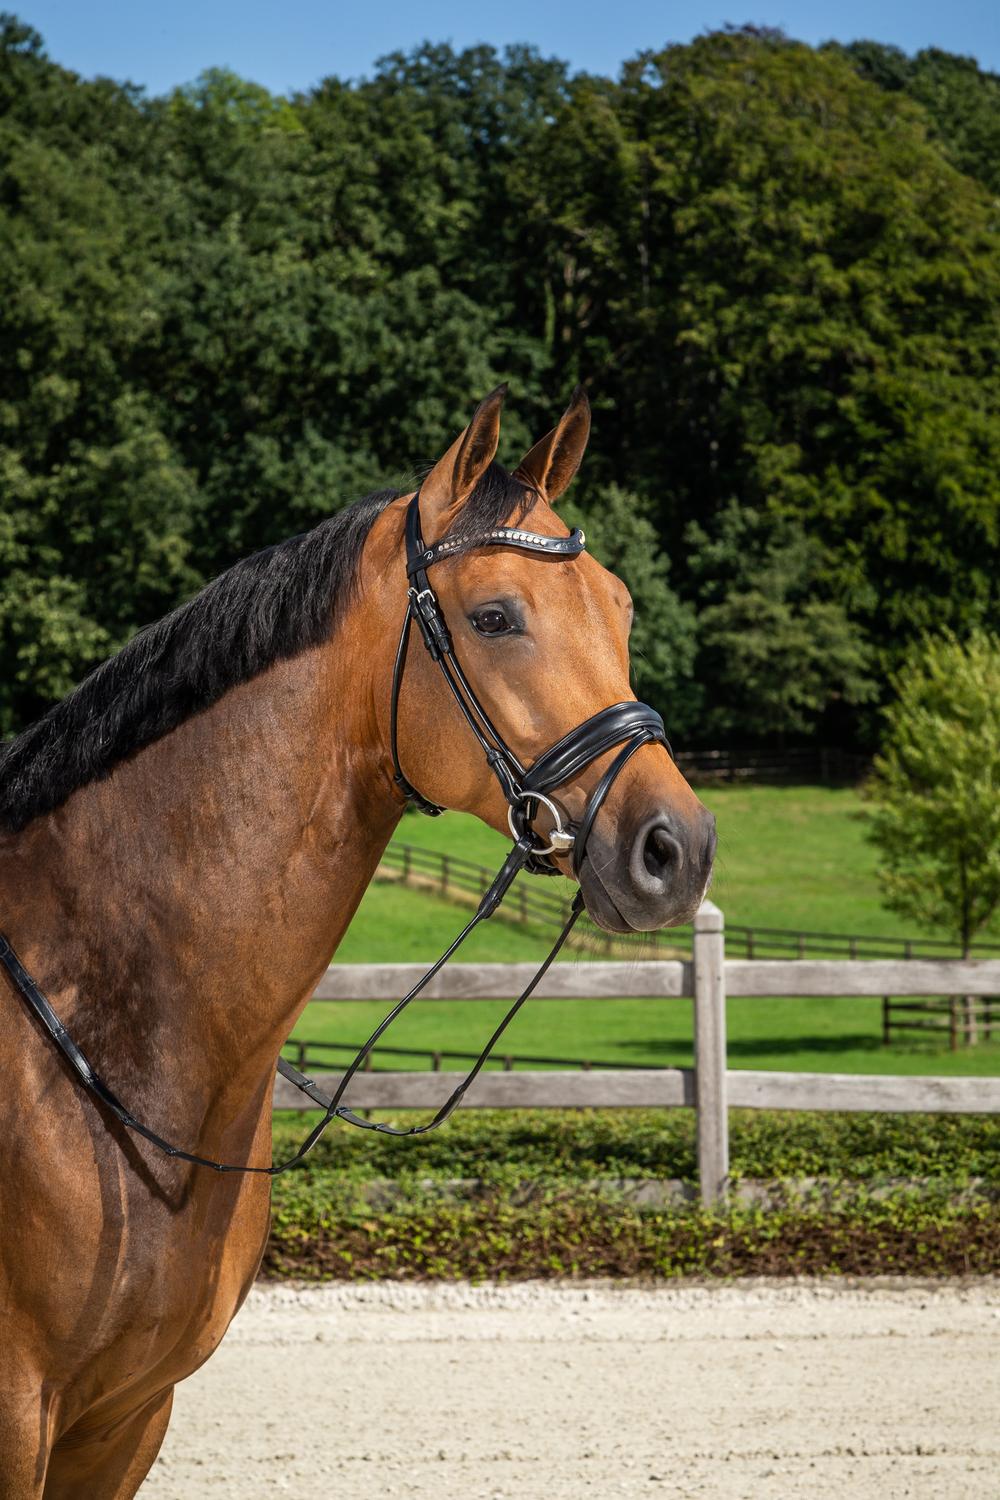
[(267, 608)]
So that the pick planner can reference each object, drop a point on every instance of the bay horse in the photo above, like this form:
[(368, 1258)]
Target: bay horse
[(184, 840)]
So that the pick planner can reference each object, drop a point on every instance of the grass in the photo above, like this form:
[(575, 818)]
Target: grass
[(813, 1036), (789, 856)]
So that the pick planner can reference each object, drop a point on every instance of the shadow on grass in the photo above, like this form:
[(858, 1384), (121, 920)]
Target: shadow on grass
[(757, 1047), (659, 1053)]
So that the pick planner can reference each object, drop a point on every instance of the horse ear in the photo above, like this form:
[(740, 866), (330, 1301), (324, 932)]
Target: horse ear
[(455, 476), (554, 460)]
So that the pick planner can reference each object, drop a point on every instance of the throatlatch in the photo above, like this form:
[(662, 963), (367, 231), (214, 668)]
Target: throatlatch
[(625, 725)]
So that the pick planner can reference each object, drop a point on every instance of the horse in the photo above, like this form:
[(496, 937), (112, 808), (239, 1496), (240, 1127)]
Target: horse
[(183, 842)]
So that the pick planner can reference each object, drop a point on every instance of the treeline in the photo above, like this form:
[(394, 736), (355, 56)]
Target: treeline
[(224, 314)]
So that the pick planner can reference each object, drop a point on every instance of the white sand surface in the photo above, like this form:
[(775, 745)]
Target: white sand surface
[(745, 1391)]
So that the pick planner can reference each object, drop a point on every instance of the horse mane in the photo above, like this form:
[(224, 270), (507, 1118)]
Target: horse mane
[(267, 608)]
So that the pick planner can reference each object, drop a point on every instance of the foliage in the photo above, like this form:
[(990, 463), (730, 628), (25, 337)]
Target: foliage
[(777, 653), (936, 788), (584, 1235), (662, 644), (528, 1193), (506, 1147), (226, 313), (962, 101)]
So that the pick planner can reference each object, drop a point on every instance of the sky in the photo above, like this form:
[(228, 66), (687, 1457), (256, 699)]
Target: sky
[(291, 44)]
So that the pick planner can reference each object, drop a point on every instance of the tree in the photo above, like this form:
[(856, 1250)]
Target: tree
[(784, 290), (621, 535), (777, 651), (224, 313), (95, 503), (936, 788), (961, 99)]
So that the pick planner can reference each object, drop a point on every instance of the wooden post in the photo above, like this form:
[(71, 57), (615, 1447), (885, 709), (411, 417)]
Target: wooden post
[(710, 1052), (886, 1020), (971, 1018)]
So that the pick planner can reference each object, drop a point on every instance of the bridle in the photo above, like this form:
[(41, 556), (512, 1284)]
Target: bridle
[(623, 726)]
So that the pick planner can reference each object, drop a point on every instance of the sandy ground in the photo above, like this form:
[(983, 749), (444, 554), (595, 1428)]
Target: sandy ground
[(540, 1392)]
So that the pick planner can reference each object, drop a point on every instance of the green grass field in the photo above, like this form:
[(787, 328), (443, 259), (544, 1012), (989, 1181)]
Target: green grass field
[(788, 857)]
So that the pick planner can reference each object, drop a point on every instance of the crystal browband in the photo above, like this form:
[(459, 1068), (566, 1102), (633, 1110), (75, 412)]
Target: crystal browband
[(502, 536)]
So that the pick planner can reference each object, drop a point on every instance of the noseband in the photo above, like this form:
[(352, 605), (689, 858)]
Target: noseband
[(624, 726)]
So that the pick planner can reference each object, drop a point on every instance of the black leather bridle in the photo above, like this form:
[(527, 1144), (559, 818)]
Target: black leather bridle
[(623, 726)]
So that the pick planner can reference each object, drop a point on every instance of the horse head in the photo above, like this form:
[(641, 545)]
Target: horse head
[(537, 631)]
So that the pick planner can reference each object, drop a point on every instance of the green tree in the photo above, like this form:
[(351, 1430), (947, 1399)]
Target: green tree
[(621, 535), (224, 313), (777, 651), (935, 791), (95, 503), (961, 99), (786, 292)]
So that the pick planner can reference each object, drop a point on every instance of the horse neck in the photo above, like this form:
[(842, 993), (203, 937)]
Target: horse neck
[(183, 910)]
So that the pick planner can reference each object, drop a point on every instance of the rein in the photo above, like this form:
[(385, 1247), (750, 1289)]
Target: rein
[(526, 789)]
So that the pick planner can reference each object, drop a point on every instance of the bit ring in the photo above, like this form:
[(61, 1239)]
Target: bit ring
[(561, 840)]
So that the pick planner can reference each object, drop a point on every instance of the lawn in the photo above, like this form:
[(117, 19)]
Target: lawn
[(789, 857)]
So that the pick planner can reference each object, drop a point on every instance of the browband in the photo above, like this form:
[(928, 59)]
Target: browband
[(500, 536)]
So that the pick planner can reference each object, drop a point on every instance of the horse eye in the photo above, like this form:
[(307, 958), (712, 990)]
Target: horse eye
[(491, 621)]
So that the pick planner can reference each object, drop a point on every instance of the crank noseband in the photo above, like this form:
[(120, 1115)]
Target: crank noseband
[(624, 727)]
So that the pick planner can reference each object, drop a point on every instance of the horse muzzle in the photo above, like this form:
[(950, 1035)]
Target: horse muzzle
[(654, 877)]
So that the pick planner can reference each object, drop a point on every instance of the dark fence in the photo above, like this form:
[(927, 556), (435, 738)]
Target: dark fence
[(305, 1055), (540, 903), (815, 764), (966, 1018)]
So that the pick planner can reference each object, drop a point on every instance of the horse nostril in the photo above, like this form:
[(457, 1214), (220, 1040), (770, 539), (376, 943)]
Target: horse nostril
[(662, 855)]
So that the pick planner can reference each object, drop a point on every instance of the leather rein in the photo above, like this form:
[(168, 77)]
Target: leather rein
[(625, 726)]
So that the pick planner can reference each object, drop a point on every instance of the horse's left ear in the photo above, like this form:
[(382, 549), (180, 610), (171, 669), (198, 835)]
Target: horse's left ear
[(554, 460), (453, 478)]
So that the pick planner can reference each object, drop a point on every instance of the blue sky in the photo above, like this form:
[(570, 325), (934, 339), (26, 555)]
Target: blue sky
[(293, 44)]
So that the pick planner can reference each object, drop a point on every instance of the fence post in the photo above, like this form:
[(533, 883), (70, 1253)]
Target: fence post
[(709, 945)]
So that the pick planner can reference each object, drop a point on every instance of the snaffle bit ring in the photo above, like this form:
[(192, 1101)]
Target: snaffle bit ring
[(561, 840)]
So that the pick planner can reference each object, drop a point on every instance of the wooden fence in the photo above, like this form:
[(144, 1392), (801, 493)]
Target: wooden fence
[(806, 764), (707, 978)]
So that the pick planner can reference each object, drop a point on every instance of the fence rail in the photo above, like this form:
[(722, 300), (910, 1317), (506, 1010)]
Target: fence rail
[(307, 1054), (707, 978), (540, 903), (827, 765)]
